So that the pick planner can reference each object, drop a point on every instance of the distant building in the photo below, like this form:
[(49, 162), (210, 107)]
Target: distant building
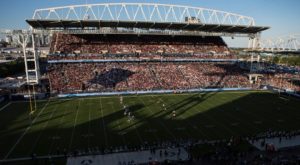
[(192, 20), (8, 39)]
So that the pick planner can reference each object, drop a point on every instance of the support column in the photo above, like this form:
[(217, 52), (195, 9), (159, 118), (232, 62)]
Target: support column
[(23, 39), (254, 41), (36, 60)]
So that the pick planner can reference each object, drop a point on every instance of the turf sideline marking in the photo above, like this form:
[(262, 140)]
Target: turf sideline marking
[(56, 135), (6, 105), (164, 102), (24, 133), (136, 130), (89, 134), (73, 130), (161, 123), (146, 118), (43, 129), (103, 124), (192, 124), (212, 118), (123, 138), (139, 135), (146, 95), (234, 117)]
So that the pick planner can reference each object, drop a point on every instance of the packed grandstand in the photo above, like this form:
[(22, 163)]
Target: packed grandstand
[(115, 57), (99, 63)]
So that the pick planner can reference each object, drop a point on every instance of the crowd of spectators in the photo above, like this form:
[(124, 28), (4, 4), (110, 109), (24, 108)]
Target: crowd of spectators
[(139, 56), (154, 75), (73, 77), (286, 81), (278, 76), (89, 77), (98, 46)]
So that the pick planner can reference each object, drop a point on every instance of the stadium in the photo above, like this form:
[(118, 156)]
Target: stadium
[(147, 83)]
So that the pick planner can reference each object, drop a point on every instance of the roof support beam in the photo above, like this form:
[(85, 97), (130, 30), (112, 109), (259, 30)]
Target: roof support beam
[(142, 11), (63, 24), (185, 26), (214, 27), (81, 25), (38, 22)]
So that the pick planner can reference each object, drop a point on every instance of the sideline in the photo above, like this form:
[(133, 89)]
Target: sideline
[(278, 142), (139, 157), (30, 158), (6, 105), (142, 92), (24, 133), (144, 95)]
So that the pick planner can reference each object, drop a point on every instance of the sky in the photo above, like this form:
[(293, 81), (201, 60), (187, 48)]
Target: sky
[(282, 16)]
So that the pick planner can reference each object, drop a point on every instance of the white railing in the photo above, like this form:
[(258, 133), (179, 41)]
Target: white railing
[(282, 43), (149, 12)]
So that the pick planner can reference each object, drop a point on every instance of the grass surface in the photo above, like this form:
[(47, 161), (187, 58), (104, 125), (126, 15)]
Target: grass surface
[(80, 123)]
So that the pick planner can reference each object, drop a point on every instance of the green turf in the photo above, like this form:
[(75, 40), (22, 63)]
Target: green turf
[(80, 123)]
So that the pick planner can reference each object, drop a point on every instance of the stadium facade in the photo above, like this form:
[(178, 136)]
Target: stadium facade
[(117, 47), (143, 48)]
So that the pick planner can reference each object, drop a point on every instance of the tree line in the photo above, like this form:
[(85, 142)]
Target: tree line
[(287, 60), (12, 68)]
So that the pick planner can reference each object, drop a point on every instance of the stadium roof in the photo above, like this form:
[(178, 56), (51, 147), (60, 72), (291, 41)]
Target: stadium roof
[(144, 16), (81, 24)]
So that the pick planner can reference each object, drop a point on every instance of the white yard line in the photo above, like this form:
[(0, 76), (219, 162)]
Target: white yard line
[(260, 118), (216, 121), (161, 98), (273, 115), (146, 95), (43, 129), (124, 140), (192, 124), (103, 123), (75, 122), (162, 124), (253, 115), (29, 158), (6, 105), (137, 132), (234, 117), (89, 130), (24, 133), (148, 125), (57, 129)]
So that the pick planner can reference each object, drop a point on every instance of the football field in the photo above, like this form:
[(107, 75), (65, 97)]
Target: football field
[(81, 123)]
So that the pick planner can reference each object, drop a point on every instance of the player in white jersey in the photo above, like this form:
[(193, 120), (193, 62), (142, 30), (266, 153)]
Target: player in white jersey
[(121, 99)]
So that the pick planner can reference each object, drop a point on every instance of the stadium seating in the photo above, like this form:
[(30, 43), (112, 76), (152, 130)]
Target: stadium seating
[(81, 76), (86, 77), (99, 47), (283, 81)]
